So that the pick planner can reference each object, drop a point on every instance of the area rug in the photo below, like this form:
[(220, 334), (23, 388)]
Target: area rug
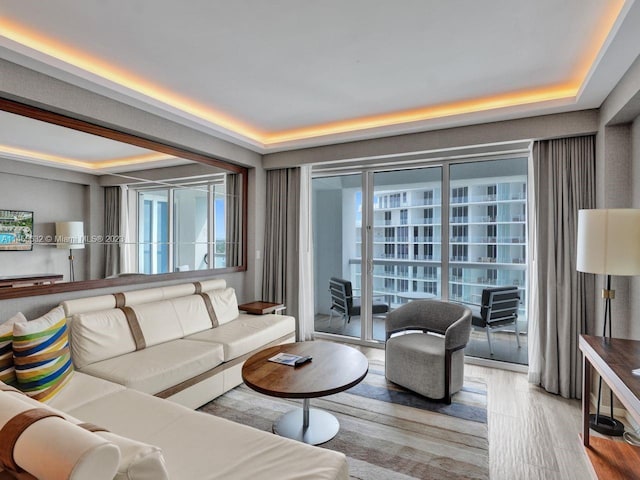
[(386, 432)]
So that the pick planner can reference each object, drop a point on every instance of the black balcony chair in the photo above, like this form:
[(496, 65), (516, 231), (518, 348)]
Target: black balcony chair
[(498, 311), (345, 304)]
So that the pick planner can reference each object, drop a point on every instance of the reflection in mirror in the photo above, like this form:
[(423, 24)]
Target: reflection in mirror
[(174, 219), (142, 212)]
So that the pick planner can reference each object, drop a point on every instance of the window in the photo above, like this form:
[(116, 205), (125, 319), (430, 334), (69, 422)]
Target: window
[(427, 215), (459, 253), (387, 218), (196, 239), (459, 233), (153, 231), (404, 216), (459, 214), (389, 233), (459, 195), (492, 213)]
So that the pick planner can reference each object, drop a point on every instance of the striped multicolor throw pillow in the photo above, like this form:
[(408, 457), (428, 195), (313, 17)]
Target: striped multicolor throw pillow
[(41, 355), (7, 371)]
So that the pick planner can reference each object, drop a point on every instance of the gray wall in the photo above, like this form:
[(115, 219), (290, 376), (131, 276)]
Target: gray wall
[(50, 201), (634, 318), (53, 194), (618, 186)]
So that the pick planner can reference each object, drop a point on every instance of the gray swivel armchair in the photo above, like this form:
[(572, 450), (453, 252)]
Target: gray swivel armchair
[(431, 365)]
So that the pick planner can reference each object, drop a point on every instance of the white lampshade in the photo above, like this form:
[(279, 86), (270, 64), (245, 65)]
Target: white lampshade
[(70, 235), (609, 241)]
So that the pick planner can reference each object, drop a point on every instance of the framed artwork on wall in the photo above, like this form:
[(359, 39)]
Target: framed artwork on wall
[(16, 230)]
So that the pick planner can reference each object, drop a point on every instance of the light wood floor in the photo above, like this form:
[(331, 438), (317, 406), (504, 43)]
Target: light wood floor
[(532, 434)]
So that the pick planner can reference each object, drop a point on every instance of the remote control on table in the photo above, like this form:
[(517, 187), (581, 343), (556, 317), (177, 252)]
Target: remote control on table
[(302, 360)]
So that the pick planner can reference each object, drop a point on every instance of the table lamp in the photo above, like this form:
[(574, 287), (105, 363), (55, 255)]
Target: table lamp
[(608, 244), (70, 235)]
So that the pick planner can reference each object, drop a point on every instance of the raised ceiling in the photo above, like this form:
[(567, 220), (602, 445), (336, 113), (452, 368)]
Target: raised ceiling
[(276, 75)]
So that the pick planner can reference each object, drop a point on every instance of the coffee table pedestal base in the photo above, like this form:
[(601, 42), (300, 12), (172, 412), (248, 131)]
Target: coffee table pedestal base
[(308, 425)]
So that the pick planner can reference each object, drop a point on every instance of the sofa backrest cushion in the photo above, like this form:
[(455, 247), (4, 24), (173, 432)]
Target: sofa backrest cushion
[(42, 355), (53, 448), (192, 314), (98, 336), (215, 284), (225, 304), (158, 321), (89, 304)]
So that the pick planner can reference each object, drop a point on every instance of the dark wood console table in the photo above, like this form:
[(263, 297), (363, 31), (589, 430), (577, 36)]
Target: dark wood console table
[(613, 359), (33, 279)]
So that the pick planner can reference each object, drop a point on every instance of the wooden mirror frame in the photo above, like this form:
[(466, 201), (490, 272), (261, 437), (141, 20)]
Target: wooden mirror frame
[(36, 113)]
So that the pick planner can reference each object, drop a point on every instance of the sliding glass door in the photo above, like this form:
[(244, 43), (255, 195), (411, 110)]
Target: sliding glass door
[(406, 239), (445, 232), (337, 240)]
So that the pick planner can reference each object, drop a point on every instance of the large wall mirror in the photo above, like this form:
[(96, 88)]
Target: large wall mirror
[(83, 206)]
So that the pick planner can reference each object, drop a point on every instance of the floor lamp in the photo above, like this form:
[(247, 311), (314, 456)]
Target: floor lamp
[(608, 244), (70, 235)]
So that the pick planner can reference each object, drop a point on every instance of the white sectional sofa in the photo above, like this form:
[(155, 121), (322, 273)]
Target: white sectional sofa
[(178, 354), (135, 351)]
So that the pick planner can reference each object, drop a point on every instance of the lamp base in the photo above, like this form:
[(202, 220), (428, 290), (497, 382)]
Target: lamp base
[(606, 425)]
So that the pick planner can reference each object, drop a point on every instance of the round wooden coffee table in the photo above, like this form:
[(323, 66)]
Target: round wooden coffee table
[(334, 368)]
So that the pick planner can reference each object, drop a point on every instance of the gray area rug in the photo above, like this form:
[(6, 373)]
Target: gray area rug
[(386, 432)]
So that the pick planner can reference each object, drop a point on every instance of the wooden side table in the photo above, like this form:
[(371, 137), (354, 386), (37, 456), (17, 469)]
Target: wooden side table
[(261, 308)]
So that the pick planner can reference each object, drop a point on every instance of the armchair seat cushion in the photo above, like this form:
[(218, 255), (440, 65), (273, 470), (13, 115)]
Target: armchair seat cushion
[(478, 321), (406, 358), (377, 307), (157, 368)]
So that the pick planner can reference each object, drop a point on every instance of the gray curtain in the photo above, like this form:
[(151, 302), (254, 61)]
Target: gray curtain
[(234, 220), (280, 274), (112, 197), (563, 182)]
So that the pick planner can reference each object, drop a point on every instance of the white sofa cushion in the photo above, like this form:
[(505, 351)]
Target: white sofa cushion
[(157, 368), (192, 314), (81, 389), (97, 336), (56, 449), (205, 447), (225, 304), (247, 333), (158, 321)]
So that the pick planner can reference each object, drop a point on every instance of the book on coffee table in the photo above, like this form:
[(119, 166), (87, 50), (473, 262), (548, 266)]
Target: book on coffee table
[(289, 359)]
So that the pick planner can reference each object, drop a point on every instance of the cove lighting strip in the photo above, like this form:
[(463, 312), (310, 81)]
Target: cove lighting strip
[(566, 91)]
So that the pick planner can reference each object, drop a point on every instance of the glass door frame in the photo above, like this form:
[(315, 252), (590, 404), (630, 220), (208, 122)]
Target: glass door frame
[(367, 173)]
